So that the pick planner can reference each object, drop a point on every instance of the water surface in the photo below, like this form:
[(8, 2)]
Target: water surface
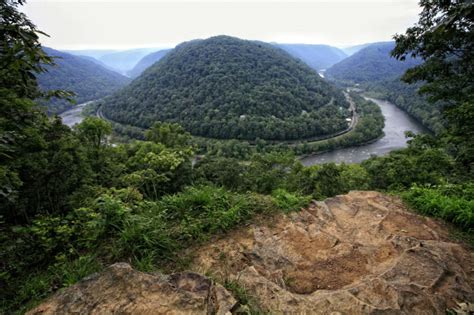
[(73, 116), (396, 123)]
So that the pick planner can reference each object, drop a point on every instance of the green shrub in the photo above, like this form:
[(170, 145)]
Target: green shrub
[(289, 201), (453, 203)]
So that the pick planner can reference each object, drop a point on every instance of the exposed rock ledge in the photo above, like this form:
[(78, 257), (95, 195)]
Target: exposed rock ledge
[(360, 253), (121, 290)]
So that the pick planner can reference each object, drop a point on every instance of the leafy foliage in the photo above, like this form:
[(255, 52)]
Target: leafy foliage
[(224, 87), (453, 203), (444, 39), (71, 203)]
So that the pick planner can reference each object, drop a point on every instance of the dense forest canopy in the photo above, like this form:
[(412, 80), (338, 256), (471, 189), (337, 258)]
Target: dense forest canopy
[(87, 79), (224, 87), (318, 57)]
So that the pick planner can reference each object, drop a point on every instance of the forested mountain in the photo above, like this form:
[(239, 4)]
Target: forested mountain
[(318, 57), (375, 70), (146, 62), (86, 78), (224, 87), (371, 63)]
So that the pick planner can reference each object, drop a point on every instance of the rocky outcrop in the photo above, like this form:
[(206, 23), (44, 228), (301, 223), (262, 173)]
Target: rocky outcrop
[(121, 290), (361, 253)]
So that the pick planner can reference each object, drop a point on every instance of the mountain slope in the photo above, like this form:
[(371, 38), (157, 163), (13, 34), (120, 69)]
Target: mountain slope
[(376, 71), (370, 64), (146, 62), (86, 78), (318, 57), (349, 51), (224, 87)]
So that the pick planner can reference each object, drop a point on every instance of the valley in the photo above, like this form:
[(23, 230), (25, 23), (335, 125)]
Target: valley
[(310, 162)]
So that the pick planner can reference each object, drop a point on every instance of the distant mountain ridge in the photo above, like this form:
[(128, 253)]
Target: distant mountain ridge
[(88, 79), (120, 61), (318, 57), (371, 63), (147, 62), (350, 50)]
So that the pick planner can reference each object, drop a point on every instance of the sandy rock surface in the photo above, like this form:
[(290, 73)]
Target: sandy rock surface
[(360, 253), (122, 290)]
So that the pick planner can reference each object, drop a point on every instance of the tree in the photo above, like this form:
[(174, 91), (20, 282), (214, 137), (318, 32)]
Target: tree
[(171, 135), (95, 131), (444, 39)]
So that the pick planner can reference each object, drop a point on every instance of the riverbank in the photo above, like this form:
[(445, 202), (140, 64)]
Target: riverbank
[(397, 122)]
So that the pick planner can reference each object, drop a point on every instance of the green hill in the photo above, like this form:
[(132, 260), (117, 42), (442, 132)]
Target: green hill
[(318, 57), (224, 87), (86, 78)]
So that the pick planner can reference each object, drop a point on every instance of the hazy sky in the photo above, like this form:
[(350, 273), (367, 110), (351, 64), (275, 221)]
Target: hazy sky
[(74, 24)]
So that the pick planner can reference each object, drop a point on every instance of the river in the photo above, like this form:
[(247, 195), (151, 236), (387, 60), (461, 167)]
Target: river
[(73, 116), (396, 123)]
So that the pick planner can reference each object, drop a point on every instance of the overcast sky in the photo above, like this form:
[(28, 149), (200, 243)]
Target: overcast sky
[(74, 24)]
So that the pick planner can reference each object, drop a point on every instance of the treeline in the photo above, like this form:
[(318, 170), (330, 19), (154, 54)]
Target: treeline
[(81, 204), (369, 128), (227, 88)]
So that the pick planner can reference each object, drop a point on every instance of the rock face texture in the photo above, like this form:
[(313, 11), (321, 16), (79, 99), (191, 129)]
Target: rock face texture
[(121, 290), (361, 253)]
